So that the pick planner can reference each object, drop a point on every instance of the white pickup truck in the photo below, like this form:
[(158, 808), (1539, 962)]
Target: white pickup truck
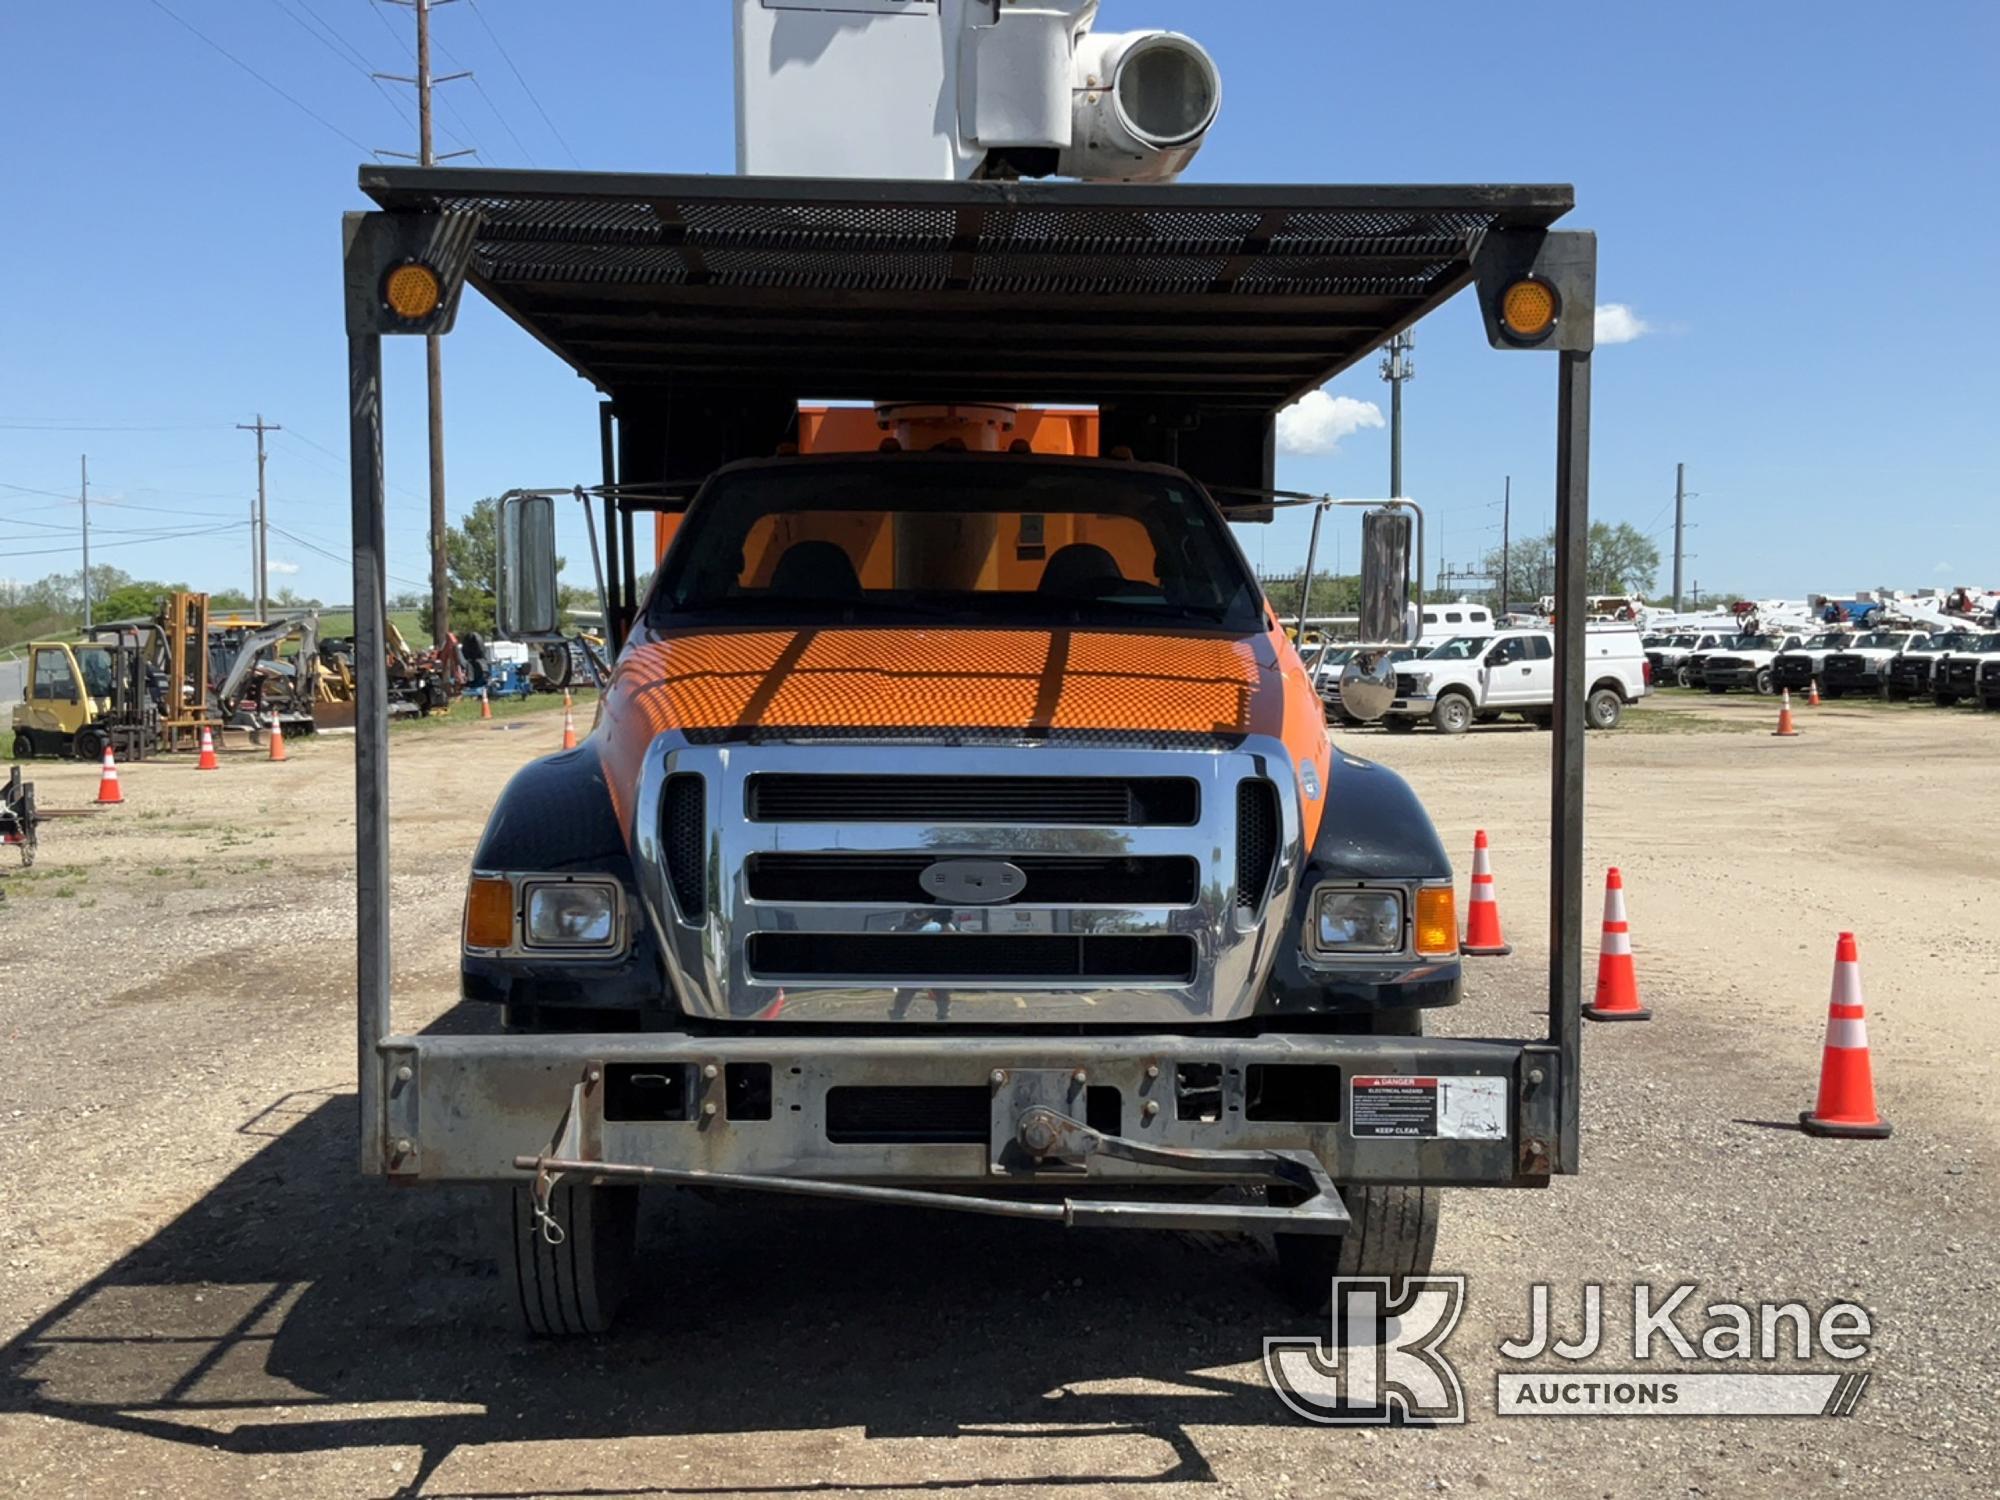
[(1472, 679)]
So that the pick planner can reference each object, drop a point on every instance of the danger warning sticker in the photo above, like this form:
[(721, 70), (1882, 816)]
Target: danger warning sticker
[(1451, 1109)]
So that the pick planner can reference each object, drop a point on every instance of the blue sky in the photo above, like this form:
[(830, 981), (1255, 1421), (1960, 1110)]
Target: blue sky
[(1795, 197)]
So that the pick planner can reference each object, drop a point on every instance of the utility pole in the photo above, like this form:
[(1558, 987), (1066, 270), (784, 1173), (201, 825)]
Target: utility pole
[(83, 494), (433, 355), (1506, 519), (1680, 521), (1396, 368), (260, 533)]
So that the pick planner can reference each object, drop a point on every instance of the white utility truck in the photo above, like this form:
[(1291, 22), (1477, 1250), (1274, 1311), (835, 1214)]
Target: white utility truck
[(1476, 678)]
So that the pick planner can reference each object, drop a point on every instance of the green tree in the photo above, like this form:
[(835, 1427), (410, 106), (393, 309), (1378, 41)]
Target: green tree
[(1619, 560), (138, 600), (1332, 594)]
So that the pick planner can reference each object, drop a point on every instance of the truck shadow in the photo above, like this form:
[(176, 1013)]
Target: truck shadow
[(298, 1308)]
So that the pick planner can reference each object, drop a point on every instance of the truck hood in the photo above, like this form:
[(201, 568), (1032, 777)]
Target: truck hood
[(999, 681)]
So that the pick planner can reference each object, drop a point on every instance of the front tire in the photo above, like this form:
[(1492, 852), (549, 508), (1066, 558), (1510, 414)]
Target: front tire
[(88, 745), (573, 1288), (1766, 682), (1452, 714), (1683, 677), (1393, 1233)]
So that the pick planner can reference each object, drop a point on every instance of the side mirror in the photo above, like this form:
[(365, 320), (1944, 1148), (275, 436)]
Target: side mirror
[(1385, 576), (525, 591)]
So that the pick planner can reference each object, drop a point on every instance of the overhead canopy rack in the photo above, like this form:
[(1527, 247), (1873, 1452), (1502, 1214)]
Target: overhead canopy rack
[(1213, 297)]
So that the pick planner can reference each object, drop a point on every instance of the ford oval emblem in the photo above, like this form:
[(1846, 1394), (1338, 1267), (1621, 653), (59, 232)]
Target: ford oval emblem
[(973, 882)]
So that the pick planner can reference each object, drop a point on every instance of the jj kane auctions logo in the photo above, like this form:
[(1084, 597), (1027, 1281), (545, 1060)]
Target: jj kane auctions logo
[(1383, 1358)]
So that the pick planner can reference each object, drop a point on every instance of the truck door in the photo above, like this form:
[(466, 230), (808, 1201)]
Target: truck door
[(55, 697), (1508, 670)]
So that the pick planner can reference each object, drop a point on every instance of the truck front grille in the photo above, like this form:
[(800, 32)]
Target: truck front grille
[(1960, 674), (1256, 841), (1052, 879), (682, 839), (1843, 665), (962, 956), (1113, 801)]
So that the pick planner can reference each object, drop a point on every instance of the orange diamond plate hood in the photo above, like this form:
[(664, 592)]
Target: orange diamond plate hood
[(911, 680)]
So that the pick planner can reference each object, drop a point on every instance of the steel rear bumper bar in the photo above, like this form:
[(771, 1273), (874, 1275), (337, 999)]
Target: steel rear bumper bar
[(1188, 1110)]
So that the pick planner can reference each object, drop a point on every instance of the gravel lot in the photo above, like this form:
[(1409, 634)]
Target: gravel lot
[(200, 1296)]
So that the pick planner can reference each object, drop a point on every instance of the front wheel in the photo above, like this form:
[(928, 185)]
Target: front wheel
[(1604, 709), (574, 1286), (556, 664), (89, 745), (1766, 683), (1452, 714), (1683, 677), (1392, 1232)]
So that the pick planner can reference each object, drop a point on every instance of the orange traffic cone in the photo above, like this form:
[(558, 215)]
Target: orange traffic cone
[(277, 739), (207, 762), (1812, 694), (1846, 1104), (1617, 981), (1785, 729), (108, 790), (1482, 916), (569, 722), (485, 705)]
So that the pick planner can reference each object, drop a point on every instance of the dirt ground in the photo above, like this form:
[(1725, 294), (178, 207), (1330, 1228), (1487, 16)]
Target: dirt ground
[(199, 1295)]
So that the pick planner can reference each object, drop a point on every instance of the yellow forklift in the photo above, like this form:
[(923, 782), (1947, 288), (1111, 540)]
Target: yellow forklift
[(79, 699)]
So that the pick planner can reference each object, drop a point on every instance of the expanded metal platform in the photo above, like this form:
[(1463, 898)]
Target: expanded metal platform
[(1240, 295)]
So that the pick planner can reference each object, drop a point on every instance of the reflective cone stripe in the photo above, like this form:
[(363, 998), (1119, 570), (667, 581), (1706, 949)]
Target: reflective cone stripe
[(1846, 1104), (1786, 729), (1482, 913), (207, 762), (569, 724), (108, 790), (1812, 698), (1617, 996)]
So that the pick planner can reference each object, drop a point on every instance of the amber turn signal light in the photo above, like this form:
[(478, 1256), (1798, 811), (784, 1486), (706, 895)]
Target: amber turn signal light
[(1437, 921), (1528, 308), (489, 913), (412, 291)]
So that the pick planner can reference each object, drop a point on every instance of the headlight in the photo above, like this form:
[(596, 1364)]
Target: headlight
[(1355, 921), (1423, 684), (572, 914)]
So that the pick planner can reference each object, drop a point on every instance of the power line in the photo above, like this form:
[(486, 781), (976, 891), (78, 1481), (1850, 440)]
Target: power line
[(290, 99), (139, 541), (123, 427), (334, 42), (505, 57)]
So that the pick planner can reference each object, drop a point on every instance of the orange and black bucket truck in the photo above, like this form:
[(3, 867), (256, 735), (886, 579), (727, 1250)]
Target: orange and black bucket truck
[(959, 826)]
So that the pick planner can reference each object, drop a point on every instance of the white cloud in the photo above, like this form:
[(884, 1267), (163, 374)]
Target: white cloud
[(1944, 570), (279, 565), (1316, 422), (1618, 324)]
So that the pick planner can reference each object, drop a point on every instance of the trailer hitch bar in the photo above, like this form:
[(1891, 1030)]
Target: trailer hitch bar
[(1050, 1136)]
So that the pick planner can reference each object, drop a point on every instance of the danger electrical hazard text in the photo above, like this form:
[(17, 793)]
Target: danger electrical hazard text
[(1428, 1108)]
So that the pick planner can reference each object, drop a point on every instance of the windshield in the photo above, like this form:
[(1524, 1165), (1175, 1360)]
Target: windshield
[(1687, 641), (1882, 639), (1459, 648), (1757, 643), (96, 664), (1986, 643), (965, 540)]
